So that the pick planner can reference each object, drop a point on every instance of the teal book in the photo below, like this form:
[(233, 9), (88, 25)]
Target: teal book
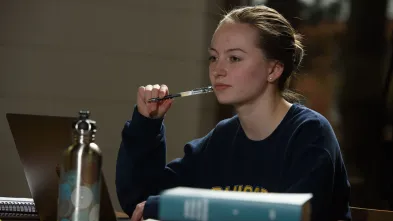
[(183, 204)]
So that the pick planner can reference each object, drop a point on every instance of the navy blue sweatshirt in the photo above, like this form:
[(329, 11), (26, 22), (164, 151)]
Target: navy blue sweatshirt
[(302, 155)]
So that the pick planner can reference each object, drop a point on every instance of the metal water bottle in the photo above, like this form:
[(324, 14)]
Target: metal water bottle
[(80, 174)]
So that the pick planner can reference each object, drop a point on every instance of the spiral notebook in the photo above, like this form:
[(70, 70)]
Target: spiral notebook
[(17, 208)]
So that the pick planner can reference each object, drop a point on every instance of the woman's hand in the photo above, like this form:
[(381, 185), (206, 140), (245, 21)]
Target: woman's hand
[(137, 215), (153, 109)]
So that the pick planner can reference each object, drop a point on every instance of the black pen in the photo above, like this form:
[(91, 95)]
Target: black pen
[(196, 91)]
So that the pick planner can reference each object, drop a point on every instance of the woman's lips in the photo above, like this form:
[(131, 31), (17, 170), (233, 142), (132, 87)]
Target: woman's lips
[(220, 87)]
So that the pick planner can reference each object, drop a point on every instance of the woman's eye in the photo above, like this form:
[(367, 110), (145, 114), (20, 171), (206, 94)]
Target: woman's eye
[(234, 59), (212, 58)]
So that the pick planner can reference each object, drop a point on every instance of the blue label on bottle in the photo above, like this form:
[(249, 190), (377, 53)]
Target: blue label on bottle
[(65, 191), (78, 202)]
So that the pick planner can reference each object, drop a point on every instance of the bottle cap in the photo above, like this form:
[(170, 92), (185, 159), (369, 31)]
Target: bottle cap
[(83, 124)]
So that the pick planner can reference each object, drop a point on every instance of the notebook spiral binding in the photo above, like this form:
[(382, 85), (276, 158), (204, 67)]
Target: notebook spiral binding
[(17, 208)]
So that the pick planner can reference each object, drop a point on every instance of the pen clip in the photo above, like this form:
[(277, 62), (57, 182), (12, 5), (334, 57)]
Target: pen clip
[(169, 96)]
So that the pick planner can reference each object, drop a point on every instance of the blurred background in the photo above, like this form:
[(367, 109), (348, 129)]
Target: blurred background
[(57, 57)]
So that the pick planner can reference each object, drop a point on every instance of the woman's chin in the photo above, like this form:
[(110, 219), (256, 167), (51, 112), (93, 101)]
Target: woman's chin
[(225, 100)]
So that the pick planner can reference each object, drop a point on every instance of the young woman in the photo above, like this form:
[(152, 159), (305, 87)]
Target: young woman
[(272, 144)]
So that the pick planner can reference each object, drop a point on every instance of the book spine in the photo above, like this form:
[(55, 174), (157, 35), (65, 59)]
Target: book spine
[(183, 208)]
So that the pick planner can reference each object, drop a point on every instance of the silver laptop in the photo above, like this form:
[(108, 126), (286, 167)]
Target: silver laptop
[(40, 142)]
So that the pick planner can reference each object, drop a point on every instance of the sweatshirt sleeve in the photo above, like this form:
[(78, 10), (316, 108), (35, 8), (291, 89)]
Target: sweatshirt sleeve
[(312, 169), (141, 169)]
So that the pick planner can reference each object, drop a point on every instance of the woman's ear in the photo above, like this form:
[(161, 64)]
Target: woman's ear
[(276, 69)]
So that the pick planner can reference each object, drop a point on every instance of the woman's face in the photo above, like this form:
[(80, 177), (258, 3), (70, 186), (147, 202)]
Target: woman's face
[(238, 69)]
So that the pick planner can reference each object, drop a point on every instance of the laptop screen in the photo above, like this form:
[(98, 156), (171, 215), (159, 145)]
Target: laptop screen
[(40, 142)]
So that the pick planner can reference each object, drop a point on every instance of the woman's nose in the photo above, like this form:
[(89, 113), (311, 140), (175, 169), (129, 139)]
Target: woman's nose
[(220, 70)]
